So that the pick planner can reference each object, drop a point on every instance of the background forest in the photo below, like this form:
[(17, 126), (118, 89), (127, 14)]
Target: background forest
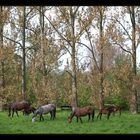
[(84, 54)]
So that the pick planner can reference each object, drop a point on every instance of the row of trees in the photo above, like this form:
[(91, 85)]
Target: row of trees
[(34, 39)]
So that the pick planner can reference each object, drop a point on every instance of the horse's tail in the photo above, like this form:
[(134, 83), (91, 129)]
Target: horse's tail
[(55, 112)]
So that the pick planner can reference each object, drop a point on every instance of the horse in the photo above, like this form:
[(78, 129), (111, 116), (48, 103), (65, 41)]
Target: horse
[(80, 112), (49, 108), (18, 106), (104, 110), (115, 109), (108, 110), (29, 110)]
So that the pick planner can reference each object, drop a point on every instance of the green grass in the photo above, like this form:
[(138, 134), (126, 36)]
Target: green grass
[(126, 124)]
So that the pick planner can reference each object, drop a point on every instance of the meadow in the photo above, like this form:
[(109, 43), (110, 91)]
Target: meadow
[(125, 124)]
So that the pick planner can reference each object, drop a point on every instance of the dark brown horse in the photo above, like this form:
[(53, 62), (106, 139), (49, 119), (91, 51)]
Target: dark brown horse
[(80, 112), (115, 109), (18, 106), (28, 111), (108, 110), (104, 111)]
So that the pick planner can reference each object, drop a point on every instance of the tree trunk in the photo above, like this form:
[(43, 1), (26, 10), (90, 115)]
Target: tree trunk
[(42, 47), (1, 46), (133, 103), (24, 56), (101, 96), (74, 78), (1, 43)]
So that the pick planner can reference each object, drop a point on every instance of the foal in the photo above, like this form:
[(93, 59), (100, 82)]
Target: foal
[(80, 112)]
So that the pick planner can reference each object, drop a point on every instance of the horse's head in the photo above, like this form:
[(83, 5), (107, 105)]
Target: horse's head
[(69, 119), (33, 119)]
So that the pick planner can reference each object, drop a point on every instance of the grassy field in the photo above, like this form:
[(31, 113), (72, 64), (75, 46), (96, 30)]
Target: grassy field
[(126, 124)]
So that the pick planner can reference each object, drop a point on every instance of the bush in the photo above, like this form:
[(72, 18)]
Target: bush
[(117, 100)]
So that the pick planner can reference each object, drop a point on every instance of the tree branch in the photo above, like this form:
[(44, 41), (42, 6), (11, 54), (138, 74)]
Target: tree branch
[(123, 48), (60, 34), (13, 41), (69, 73), (124, 28)]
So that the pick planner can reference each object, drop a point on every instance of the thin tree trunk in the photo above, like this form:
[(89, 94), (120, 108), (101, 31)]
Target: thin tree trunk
[(74, 78), (42, 45), (101, 93), (2, 61), (24, 56), (133, 104)]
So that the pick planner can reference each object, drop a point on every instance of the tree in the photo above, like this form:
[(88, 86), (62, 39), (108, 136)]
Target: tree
[(129, 30), (98, 14)]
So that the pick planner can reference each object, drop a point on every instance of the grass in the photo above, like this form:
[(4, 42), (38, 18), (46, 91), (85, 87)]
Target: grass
[(126, 124)]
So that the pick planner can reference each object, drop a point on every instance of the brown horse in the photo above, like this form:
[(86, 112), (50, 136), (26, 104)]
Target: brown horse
[(29, 110), (108, 110), (115, 109), (80, 112), (104, 111), (18, 106)]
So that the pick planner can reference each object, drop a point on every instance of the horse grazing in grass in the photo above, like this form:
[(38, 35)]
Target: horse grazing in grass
[(29, 110), (18, 106), (49, 108), (80, 112), (108, 110), (104, 111), (115, 109)]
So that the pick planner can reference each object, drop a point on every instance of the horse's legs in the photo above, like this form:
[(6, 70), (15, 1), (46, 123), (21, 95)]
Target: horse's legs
[(9, 112), (51, 114), (113, 112), (54, 113), (100, 116), (77, 119), (41, 117), (88, 117), (108, 114), (120, 112), (17, 113), (80, 119), (93, 116), (13, 112)]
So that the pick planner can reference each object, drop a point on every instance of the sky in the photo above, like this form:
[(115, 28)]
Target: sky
[(82, 51)]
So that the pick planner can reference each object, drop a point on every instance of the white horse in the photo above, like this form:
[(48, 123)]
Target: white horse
[(49, 108)]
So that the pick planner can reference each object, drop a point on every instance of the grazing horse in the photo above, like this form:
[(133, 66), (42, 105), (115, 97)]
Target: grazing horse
[(79, 112), (29, 110), (108, 110), (18, 106), (114, 109), (49, 108), (104, 111)]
